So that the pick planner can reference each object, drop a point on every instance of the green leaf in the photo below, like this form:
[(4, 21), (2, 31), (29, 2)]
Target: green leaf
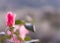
[(19, 22), (27, 38), (8, 36), (1, 39)]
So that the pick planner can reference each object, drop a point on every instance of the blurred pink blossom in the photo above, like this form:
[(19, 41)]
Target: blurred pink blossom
[(16, 27), (9, 32), (15, 39), (10, 19), (23, 32)]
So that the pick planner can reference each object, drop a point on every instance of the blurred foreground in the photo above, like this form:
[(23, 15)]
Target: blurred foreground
[(46, 15)]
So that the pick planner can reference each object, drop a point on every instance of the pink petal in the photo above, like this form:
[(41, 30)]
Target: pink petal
[(8, 32), (15, 39), (16, 27), (23, 31)]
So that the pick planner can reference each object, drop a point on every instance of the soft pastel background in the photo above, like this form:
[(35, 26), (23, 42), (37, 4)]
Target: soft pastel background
[(22, 8)]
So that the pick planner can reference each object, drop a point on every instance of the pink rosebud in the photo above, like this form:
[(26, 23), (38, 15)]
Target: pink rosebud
[(10, 19), (23, 32)]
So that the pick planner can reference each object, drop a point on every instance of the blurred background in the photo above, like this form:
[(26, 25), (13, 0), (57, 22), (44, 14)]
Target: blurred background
[(46, 14)]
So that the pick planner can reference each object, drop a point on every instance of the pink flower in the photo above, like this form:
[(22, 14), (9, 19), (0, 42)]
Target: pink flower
[(10, 19), (9, 32), (14, 38), (23, 32)]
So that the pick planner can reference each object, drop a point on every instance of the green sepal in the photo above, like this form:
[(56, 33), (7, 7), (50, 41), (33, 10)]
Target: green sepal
[(11, 29)]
